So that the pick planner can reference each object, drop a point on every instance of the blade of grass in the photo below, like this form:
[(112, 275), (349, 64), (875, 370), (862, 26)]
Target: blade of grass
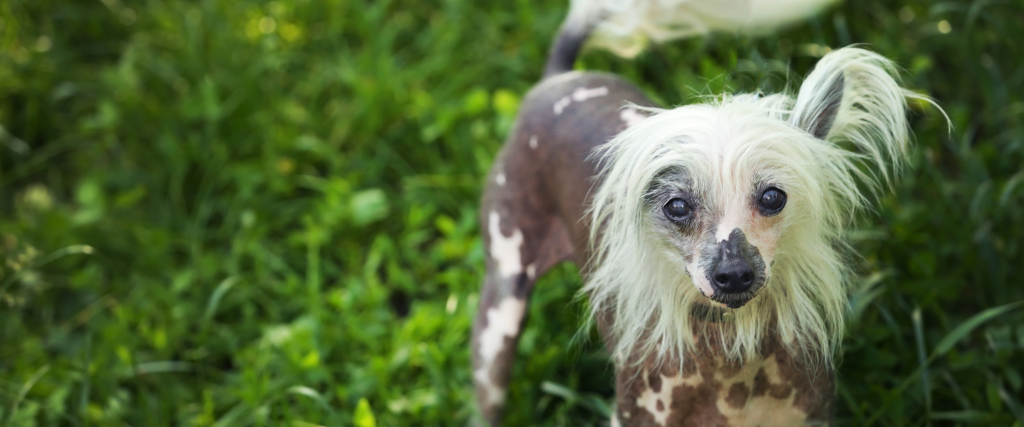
[(46, 259), (27, 387), (946, 344), (922, 359), (215, 298)]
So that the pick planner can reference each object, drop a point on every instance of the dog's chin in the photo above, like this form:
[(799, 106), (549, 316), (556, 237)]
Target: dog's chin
[(732, 301)]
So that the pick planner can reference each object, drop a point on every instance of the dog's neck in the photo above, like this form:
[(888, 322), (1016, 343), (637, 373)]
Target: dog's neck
[(707, 388), (710, 314)]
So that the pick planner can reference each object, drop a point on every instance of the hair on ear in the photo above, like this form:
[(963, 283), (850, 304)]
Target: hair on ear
[(853, 97), (819, 121)]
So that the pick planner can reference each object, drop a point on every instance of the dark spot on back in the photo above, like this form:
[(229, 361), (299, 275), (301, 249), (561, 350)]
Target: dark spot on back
[(762, 386), (738, 394), (761, 383), (655, 381), (780, 391)]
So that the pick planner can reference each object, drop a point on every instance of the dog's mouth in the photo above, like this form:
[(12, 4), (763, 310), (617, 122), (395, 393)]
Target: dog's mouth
[(733, 300), (738, 300)]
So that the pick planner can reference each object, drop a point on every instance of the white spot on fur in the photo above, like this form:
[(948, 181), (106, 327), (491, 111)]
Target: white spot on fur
[(631, 116), (693, 380), (724, 230), (615, 421), (561, 104), (579, 95), (505, 250), (582, 94), (649, 399), (500, 179), (502, 321), (533, 142), (531, 271), (734, 214)]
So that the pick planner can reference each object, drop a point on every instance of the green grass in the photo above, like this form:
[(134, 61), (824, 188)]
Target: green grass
[(278, 203)]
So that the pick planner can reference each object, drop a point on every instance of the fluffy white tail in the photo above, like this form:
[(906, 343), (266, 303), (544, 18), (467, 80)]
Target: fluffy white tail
[(626, 26)]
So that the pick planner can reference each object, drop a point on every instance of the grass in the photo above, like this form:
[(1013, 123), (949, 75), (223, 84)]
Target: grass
[(227, 213)]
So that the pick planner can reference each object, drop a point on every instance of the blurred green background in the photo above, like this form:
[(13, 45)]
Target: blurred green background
[(233, 213)]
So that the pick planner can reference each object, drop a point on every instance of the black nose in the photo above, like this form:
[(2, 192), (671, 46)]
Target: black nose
[(732, 274)]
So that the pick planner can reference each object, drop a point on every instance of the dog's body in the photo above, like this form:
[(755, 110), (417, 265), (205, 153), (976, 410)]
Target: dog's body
[(719, 304), (534, 215)]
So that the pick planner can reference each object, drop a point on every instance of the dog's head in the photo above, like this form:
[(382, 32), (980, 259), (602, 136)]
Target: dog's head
[(741, 203), (737, 188)]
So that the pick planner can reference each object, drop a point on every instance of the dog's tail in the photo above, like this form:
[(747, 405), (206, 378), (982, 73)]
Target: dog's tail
[(627, 26)]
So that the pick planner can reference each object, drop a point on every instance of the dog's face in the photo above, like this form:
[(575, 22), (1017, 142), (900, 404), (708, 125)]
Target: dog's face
[(726, 194), (725, 235), (731, 197)]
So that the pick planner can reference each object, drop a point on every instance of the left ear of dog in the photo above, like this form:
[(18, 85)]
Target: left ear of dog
[(853, 97)]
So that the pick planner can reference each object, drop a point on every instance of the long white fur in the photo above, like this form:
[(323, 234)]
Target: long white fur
[(625, 26), (724, 146)]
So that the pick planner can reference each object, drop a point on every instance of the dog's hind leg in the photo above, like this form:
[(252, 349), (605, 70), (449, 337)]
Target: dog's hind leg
[(519, 249), (499, 320)]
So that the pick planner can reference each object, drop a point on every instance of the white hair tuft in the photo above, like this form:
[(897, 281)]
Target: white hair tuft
[(625, 26)]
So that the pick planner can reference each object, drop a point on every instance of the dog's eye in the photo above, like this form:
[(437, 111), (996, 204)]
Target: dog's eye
[(677, 209), (772, 201)]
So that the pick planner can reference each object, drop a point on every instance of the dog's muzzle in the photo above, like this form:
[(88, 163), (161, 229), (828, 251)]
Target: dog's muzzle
[(736, 270)]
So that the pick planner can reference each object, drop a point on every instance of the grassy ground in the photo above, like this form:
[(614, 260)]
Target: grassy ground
[(263, 213)]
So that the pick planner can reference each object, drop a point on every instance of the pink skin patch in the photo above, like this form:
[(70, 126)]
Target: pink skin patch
[(699, 278)]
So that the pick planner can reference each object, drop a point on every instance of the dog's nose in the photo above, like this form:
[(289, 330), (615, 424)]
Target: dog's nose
[(734, 277), (732, 274)]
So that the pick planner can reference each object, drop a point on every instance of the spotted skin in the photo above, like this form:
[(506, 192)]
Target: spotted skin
[(533, 217), (776, 390)]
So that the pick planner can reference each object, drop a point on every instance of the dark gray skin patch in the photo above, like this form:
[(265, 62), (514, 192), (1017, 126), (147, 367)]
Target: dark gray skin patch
[(681, 235)]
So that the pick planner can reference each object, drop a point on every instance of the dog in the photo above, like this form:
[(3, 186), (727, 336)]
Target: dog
[(709, 236)]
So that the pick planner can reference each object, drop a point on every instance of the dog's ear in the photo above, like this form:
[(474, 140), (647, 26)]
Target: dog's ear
[(817, 115), (853, 97)]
